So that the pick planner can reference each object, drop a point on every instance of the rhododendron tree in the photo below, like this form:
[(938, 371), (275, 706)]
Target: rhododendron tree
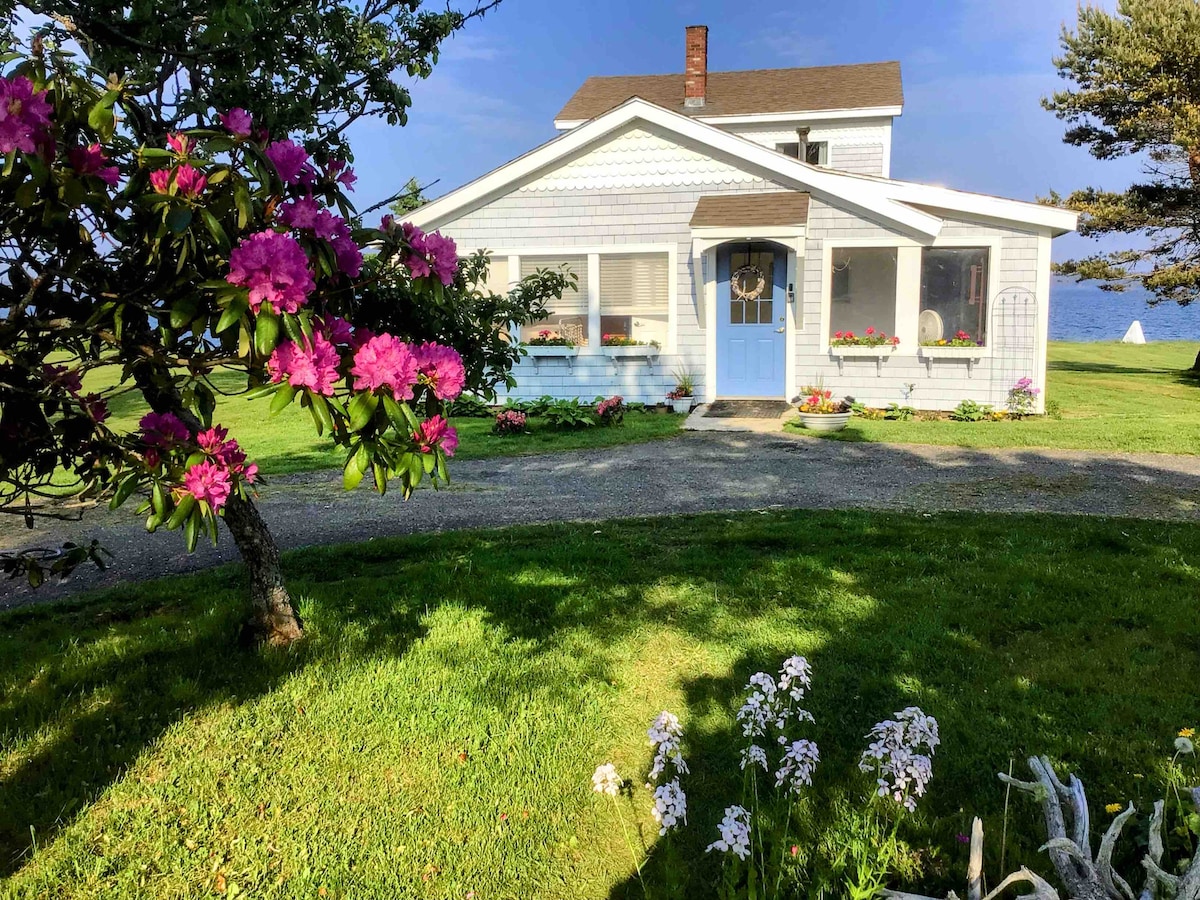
[(162, 256)]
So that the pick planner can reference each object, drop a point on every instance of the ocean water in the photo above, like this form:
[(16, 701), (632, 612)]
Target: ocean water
[(1083, 312)]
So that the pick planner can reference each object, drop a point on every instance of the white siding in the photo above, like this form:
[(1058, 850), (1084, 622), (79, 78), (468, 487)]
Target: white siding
[(862, 146)]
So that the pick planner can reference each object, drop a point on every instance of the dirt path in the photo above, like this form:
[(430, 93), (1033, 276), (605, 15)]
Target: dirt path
[(693, 473)]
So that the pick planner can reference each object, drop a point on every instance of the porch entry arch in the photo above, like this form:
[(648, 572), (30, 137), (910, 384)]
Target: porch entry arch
[(752, 310)]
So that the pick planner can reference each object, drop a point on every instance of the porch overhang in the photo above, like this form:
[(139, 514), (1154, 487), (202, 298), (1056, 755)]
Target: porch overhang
[(778, 216)]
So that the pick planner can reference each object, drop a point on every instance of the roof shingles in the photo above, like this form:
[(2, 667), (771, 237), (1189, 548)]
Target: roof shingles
[(758, 91), (734, 210)]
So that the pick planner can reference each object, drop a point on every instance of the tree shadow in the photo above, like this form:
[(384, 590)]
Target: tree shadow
[(1021, 634)]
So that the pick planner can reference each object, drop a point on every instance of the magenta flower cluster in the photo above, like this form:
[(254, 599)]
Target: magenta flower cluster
[(312, 365), (273, 266), (509, 421), (211, 479), (428, 254), (90, 160), (441, 368), (436, 432), (384, 361), (24, 116)]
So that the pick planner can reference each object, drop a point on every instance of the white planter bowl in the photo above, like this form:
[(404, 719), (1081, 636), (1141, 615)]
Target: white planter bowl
[(825, 422), (681, 405)]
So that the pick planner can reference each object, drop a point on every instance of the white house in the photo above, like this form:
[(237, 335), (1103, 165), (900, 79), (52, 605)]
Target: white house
[(735, 222)]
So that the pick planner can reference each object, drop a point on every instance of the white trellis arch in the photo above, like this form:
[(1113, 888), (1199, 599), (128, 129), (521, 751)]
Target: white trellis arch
[(1014, 340)]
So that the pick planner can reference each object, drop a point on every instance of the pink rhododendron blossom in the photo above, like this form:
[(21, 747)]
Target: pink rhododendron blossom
[(90, 160), (208, 482), (190, 182), (300, 213), (349, 257), (273, 266), (162, 429), (314, 366), (24, 116), (436, 432), (414, 260), (289, 159), (160, 180), (387, 223), (443, 256), (96, 407), (237, 122), (180, 143), (327, 226), (213, 439), (442, 368), (335, 170), (385, 361), (62, 377), (335, 328)]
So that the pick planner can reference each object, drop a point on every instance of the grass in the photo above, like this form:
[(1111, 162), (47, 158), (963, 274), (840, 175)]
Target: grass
[(1111, 396), (436, 732), (288, 442)]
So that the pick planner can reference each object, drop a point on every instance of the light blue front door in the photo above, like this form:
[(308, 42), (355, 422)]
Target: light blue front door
[(751, 316)]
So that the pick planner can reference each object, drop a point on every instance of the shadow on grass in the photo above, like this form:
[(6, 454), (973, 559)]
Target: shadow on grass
[(1024, 634)]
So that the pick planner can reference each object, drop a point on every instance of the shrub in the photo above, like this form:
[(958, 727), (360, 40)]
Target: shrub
[(899, 413), (1022, 398), (509, 422), (970, 411), (568, 414), (610, 411), (539, 406), (469, 406), (862, 411)]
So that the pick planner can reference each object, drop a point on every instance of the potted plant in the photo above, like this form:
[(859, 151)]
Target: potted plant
[(680, 399), (820, 412)]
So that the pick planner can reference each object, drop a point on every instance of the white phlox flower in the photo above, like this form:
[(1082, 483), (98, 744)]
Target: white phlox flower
[(797, 766), (605, 780), (670, 806), (735, 833)]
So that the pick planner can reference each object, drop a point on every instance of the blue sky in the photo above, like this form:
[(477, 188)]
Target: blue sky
[(974, 71)]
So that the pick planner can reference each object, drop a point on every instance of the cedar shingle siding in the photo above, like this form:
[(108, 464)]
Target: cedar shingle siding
[(747, 93), (776, 208)]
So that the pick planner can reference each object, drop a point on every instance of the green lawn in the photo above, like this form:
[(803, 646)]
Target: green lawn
[(436, 733), (1111, 396), (288, 442)]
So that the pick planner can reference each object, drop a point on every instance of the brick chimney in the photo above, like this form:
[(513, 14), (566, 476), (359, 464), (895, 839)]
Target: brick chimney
[(695, 79)]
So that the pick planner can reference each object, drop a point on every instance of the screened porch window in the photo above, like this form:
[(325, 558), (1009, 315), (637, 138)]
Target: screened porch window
[(634, 296), (954, 293), (568, 317), (863, 293)]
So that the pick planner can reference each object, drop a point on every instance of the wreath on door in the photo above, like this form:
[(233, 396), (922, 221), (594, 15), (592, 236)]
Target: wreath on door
[(748, 283)]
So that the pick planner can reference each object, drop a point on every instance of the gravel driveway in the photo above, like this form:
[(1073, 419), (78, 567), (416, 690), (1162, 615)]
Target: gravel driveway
[(695, 472)]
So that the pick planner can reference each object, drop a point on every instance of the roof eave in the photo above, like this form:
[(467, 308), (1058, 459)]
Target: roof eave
[(805, 115)]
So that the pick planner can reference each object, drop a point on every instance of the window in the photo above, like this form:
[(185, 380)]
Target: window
[(569, 316), (751, 287), (792, 149), (816, 153), (953, 293), (863, 290), (497, 277), (634, 296)]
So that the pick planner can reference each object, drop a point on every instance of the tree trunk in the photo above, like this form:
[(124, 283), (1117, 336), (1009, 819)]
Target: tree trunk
[(1196, 364), (274, 619)]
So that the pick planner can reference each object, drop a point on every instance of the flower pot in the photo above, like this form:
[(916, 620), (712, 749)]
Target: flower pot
[(681, 405), (824, 422)]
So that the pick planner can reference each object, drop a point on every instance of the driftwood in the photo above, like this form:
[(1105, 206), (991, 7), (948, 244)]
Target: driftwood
[(1084, 875)]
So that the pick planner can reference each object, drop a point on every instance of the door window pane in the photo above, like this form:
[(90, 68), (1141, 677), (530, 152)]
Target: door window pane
[(863, 291), (751, 286), (954, 292)]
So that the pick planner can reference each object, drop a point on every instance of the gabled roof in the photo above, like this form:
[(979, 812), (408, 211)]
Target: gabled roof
[(760, 91), (751, 210), (885, 200)]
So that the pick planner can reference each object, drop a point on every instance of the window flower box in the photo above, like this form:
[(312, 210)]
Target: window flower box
[(648, 352), (538, 352), (970, 354), (877, 352)]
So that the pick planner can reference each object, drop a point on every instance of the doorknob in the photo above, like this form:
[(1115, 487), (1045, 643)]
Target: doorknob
[(780, 330)]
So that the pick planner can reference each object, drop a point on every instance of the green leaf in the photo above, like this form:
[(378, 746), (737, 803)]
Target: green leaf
[(101, 118), (395, 414), (182, 511), (179, 219), (26, 195), (362, 408), (381, 477), (292, 327), (127, 487), (266, 333), (184, 311), (261, 391), (283, 397), (191, 529), (241, 199), (155, 153), (356, 467), (158, 499), (215, 229), (233, 313), (321, 414)]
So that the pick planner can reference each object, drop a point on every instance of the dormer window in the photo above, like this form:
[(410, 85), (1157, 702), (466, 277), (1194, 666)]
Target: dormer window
[(815, 153)]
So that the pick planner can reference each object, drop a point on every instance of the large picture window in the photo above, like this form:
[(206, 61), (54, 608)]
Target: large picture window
[(863, 290), (634, 297), (954, 293), (568, 317)]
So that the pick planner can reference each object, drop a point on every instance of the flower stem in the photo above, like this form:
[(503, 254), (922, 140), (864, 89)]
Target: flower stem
[(637, 864)]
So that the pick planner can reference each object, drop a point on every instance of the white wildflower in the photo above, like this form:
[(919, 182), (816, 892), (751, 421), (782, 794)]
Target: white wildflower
[(670, 806), (1184, 745), (665, 734), (795, 677), (755, 755), (797, 766), (605, 780), (761, 707), (735, 833), (903, 771)]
